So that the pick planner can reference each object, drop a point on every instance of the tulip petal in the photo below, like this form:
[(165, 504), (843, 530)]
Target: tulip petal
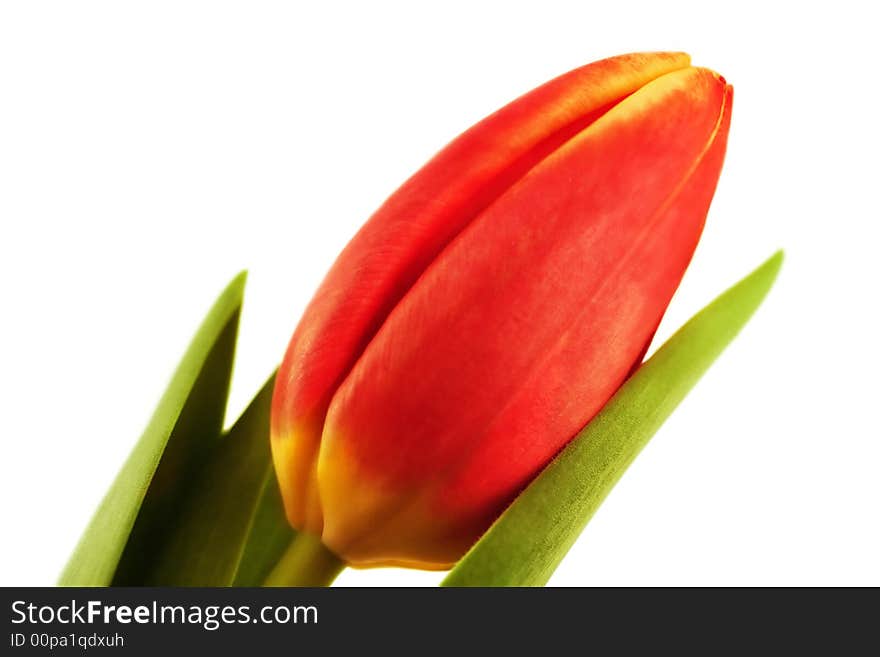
[(407, 233), (561, 279), (527, 543)]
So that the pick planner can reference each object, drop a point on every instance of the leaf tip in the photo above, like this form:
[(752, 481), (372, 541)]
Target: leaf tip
[(768, 271), (237, 284), (232, 296), (774, 262)]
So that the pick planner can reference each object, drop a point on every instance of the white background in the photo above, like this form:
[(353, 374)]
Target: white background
[(149, 151)]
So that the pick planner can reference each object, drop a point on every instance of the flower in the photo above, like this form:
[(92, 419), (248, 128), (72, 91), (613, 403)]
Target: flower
[(492, 305)]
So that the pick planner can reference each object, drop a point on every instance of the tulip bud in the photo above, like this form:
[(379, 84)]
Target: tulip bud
[(488, 310)]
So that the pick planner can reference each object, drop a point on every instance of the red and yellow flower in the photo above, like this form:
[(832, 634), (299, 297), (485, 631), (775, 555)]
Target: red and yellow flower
[(488, 310)]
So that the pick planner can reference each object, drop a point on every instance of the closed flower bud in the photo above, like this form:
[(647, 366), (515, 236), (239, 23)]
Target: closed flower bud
[(494, 303)]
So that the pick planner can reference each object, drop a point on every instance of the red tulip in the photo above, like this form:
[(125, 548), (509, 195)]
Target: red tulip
[(492, 305)]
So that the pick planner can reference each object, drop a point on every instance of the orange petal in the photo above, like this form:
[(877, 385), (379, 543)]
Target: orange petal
[(407, 233), (521, 329)]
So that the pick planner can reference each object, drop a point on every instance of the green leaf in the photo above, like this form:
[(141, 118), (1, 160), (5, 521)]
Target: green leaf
[(269, 537), (231, 526), (128, 527), (530, 539)]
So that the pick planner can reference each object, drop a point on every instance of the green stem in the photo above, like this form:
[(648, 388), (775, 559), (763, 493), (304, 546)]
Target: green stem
[(306, 562)]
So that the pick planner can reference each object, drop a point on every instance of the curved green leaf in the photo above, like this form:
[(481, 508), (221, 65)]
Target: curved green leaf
[(529, 540), (128, 526), (269, 536), (229, 529)]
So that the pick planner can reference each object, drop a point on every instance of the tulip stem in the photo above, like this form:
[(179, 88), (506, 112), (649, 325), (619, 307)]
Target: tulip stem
[(306, 562)]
